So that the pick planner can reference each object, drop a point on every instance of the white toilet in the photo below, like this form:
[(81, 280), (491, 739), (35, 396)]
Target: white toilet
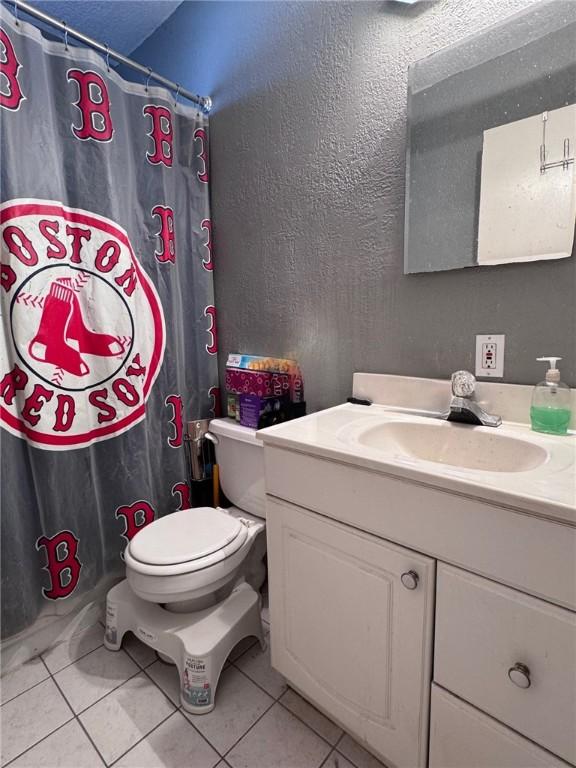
[(192, 577)]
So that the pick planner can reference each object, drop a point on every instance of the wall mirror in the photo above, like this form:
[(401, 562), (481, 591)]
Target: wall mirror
[(490, 172)]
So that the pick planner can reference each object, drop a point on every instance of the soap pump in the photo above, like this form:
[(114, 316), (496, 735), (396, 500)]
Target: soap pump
[(550, 410)]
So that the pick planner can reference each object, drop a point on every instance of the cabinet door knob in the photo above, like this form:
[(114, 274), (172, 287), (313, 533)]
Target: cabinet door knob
[(410, 579), (520, 675)]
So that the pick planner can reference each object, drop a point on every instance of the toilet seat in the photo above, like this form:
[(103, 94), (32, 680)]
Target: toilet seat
[(186, 541)]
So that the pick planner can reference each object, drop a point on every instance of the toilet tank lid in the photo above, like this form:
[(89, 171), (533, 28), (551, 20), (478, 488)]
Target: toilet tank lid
[(230, 428)]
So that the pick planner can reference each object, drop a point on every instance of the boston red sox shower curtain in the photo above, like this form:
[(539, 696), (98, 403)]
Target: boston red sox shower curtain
[(108, 336)]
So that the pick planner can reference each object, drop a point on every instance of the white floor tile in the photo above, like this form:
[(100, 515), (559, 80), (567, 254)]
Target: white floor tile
[(68, 747), (166, 676), (239, 703), (256, 664), (336, 760), (279, 740), (30, 717), (357, 754), (142, 654), (73, 648), (93, 676), (174, 744), (118, 721), (311, 716), (22, 678)]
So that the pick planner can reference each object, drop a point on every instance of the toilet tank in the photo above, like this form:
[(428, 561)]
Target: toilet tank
[(240, 457)]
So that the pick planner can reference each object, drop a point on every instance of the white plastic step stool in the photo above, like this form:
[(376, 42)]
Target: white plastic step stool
[(198, 643)]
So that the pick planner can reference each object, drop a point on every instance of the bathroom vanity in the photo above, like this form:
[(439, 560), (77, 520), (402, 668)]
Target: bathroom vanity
[(423, 576)]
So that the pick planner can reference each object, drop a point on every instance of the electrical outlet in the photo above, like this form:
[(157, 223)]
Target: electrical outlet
[(490, 356)]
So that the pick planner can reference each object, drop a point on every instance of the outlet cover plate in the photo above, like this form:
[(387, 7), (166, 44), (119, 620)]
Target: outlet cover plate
[(490, 356)]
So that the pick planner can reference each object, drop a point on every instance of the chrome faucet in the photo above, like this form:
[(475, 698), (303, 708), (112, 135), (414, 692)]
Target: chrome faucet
[(463, 408)]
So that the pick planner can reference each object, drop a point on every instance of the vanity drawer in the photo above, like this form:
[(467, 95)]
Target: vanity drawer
[(463, 737), (487, 634)]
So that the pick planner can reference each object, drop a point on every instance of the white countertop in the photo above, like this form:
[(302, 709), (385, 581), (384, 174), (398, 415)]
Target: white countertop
[(548, 490)]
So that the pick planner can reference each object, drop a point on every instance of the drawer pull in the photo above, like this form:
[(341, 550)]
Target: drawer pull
[(520, 675), (410, 579)]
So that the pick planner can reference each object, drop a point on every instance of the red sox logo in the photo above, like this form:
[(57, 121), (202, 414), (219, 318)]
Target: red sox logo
[(94, 105), (62, 564), (11, 95), (86, 330)]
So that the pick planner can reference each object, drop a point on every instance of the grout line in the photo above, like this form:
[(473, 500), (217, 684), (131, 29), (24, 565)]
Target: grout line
[(140, 671), (81, 712), (324, 763), (248, 730), (12, 759), (332, 746), (205, 738), (276, 698), (174, 704), (138, 664), (132, 746), (180, 709), (78, 720), (26, 691), (72, 662), (90, 739), (341, 754)]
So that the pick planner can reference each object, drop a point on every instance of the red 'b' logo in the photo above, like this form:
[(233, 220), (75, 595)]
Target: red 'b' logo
[(136, 516), (62, 564), (94, 105), (10, 92), (167, 234), (161, 134)]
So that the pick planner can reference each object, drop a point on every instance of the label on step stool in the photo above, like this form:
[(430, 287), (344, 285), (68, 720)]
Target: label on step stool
[(196, 689), (146, 635), (111, 626)]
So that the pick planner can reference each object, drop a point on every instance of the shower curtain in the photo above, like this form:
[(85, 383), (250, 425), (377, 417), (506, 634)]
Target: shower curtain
[(108, 341)]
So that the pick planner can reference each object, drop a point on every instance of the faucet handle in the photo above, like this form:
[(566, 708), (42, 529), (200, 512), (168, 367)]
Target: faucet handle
[(463, 384)]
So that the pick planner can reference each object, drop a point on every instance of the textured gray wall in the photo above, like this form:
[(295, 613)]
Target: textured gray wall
[(308, 143)]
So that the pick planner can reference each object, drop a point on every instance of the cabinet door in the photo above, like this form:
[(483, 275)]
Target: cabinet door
[(348, 633)]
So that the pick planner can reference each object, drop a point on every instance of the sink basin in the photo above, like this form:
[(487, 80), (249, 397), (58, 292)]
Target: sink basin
[(455, 445)]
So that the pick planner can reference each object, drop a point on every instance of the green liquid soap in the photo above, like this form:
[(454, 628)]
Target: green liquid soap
[(552, 421)]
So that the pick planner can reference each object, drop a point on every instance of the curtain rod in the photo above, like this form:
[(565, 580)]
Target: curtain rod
[(204, 102)]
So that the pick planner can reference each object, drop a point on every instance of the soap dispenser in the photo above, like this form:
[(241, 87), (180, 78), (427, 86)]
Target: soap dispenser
[(550, 410)]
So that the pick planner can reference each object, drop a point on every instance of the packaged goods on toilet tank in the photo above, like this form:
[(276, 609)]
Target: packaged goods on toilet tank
[(263, 390)]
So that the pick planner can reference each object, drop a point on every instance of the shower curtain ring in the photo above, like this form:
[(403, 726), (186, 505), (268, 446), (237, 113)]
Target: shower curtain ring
[(148, 78), (177, 94), (107, 58), (65, 35)]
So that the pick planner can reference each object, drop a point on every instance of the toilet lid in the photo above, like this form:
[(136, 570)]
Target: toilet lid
[(186, 536)]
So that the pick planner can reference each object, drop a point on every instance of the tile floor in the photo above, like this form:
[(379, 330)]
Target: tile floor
[(82, 706)]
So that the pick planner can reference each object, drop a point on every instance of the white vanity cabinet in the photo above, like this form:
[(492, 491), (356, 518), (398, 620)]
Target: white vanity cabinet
[(357, 515), (352, 618)]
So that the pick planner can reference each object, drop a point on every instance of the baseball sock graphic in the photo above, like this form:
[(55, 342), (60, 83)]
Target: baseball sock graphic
[(90, 342), (49, 344)]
